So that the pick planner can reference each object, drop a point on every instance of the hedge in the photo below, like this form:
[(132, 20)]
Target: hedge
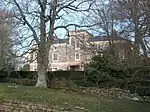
[(140, 83)]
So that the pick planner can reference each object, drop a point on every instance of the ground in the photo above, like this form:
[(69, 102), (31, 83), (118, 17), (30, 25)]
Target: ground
[(70, 100)]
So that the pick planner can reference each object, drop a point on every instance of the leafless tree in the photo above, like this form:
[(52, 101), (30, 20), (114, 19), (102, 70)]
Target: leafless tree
[(41, 19), (5, 40), (129, 18), (135, 15), (105, 16)]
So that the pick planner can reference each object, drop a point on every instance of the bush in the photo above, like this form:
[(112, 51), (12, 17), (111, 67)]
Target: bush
[(113, 72), (23, 74), (25, 81), (3, 76), (105, 71)]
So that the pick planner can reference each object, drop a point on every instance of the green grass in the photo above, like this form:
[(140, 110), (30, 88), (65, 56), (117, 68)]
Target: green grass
[(60, 98)]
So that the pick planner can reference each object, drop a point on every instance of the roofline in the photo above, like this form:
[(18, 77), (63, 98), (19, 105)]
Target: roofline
[(82, 31)]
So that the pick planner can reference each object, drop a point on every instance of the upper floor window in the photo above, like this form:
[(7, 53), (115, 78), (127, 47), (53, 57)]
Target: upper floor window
[(35, 55), (77, 45), (72, 42), (55, 56), (55, 48), (77, 56), (121, 54)]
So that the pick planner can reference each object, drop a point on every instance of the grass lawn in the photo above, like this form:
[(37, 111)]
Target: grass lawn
[(71, 100)]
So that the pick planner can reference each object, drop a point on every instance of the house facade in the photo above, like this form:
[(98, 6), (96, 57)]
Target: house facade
[(76, 50)]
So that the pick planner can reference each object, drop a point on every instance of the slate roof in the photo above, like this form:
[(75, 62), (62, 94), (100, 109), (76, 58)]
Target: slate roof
[(93, 39), (56, 41), (102, 38)]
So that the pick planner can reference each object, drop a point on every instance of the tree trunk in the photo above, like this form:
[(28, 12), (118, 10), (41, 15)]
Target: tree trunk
[(42, 66), (136, 30), (42, 76), (42, 80), (143, 48), (43, 50)]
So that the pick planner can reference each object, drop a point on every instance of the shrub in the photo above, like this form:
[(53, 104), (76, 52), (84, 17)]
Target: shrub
[(23, 81), (101, 70), (113, 72)]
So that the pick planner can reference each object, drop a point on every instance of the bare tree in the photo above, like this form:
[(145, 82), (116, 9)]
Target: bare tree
[(105, 15), (128, 17), (41, 19), (5, 40), (136, 16)]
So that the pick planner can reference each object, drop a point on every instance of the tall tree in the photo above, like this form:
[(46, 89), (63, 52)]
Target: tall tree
[(41, 19), (128, 17), (106, 17), (136, 25), (5, 41)]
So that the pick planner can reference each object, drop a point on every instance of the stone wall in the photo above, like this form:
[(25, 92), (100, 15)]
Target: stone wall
[(19, 106), (66, 57)]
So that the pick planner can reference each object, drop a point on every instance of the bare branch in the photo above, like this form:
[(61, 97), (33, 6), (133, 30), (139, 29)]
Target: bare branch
[(26, 22)]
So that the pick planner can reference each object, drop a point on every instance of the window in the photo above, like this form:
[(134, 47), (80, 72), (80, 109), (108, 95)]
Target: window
[(54, 47), (77, 56), (77, 45), (101, 54), (55, 56), (121, 54), (35, 55), (72, 42), (54, 69)]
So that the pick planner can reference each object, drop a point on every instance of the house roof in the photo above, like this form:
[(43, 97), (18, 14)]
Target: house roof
[(79, 31), (92, 39), (103, 38), (56, 41)]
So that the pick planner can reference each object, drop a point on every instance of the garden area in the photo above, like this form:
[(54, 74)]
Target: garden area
[(66, 100), (75, 56), (108, 87)]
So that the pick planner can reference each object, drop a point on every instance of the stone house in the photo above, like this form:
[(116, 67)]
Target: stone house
[(73, 52)]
